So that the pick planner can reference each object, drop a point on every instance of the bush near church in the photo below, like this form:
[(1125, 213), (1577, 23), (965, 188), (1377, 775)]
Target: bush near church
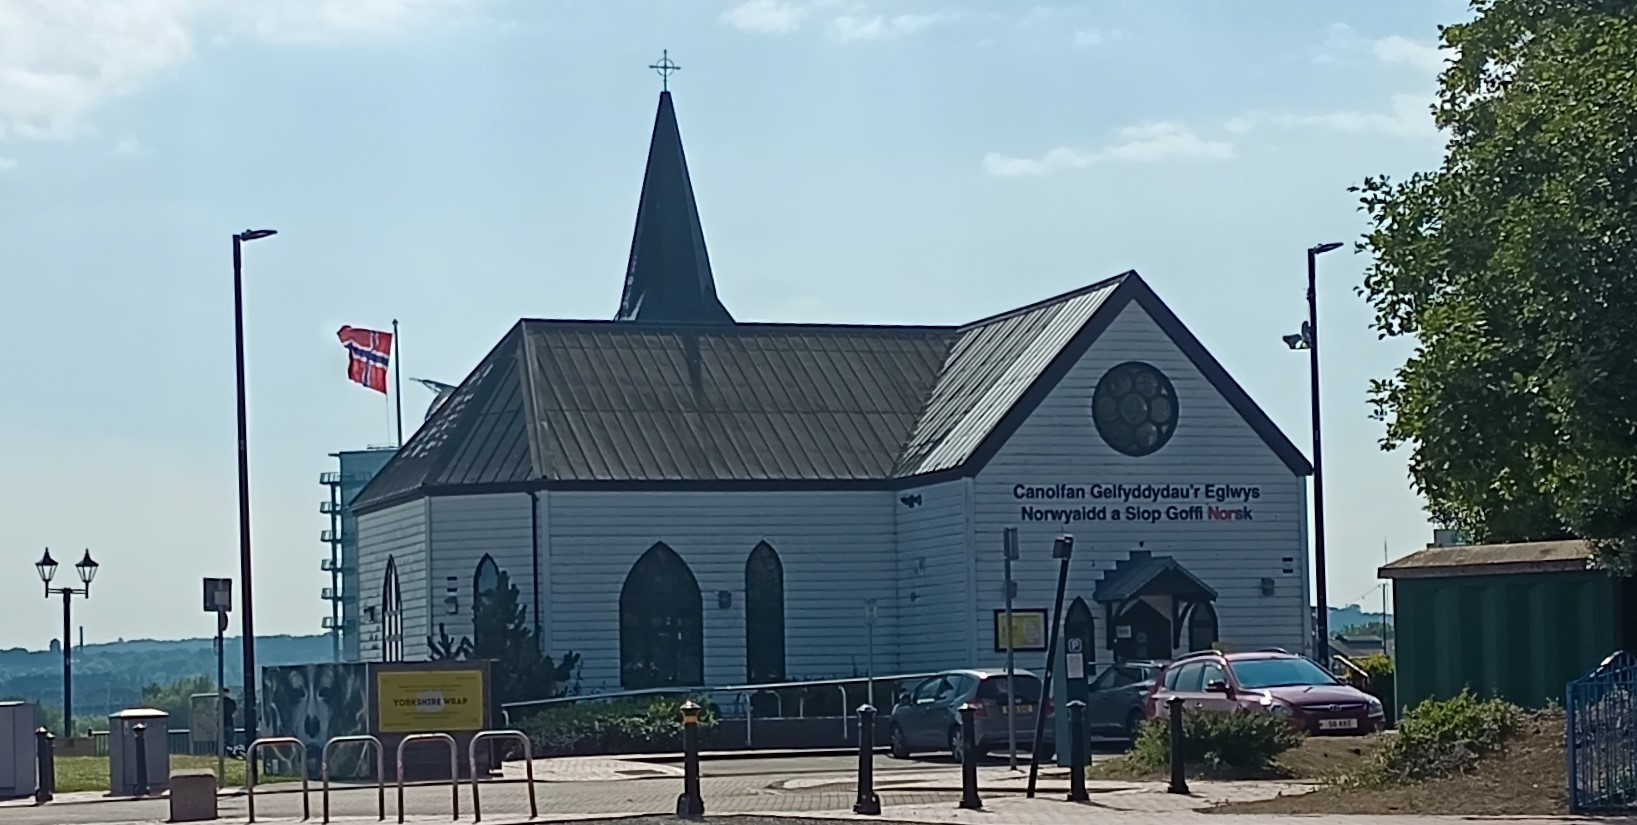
[(1217, 743), (1442, 737), (622, 726)]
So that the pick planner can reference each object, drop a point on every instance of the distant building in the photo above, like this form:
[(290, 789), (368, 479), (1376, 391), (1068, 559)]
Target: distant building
[(355, 469), (685, 499)]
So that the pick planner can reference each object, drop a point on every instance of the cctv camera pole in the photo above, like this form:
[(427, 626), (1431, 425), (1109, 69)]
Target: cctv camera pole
[(1062, 549), (1009, 546)]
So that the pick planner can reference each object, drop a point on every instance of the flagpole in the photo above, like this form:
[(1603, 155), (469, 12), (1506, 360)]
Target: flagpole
[(398, 380)]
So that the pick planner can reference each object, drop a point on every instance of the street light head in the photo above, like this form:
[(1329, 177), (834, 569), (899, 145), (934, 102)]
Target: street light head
[(1296, 341), (47, 566), (256, 234), (1322, 248), (87, 568)]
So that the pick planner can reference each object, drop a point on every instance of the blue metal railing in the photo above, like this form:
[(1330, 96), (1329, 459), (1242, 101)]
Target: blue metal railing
[(177, 743), (1601, 737)]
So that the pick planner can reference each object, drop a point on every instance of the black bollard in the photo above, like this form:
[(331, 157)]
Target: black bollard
[(1179, 779), (868, 803), (1077, 752), (141, 732), (689, 805), (969, 758), (46, 763)]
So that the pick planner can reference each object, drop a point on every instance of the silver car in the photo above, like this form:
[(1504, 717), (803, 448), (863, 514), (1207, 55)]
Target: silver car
[(927, 717)]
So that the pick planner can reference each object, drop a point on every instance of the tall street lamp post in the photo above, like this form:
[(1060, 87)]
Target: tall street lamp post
[(247, 629), (1308, 339), (87, 570)]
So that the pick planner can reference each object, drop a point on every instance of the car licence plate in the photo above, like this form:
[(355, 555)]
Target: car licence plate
[(1337, 724), (1022, 709)]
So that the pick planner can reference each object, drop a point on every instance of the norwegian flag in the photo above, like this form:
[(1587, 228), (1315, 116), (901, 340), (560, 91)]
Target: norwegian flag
[(368, 354)]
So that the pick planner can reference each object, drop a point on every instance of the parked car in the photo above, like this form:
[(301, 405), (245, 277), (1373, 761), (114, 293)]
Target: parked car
[(1267, 681), (1114, 700), (927, 717)]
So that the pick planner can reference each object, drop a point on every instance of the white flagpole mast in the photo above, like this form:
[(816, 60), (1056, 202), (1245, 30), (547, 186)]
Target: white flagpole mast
[(398, 381)]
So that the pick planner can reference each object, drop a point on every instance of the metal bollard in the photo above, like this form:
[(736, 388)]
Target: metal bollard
[(1077, 752), (141, 732), (45, 756), (1179, 779), (690, 805), (969, 758), (868, 803)]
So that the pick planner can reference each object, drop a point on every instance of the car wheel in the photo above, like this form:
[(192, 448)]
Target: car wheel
[(1133, 726), (897, 745), (957, 745)]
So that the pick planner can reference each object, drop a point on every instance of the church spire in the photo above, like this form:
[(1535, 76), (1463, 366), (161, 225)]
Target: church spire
[(668, 277)]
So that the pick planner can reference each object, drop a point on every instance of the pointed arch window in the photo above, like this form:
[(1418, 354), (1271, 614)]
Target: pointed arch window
[(662, 641), (485, 579), (392, 614), (764, 616), (1202, 629)]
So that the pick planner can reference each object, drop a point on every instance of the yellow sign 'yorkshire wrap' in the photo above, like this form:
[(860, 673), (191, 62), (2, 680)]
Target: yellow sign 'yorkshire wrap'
[(429, 701)]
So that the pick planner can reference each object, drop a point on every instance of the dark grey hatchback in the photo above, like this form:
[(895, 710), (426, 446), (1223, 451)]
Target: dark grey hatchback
[(927, 717)]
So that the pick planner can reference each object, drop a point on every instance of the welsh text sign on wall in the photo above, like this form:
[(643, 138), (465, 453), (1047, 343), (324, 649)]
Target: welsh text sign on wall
[(430, 701), (1143, 503)]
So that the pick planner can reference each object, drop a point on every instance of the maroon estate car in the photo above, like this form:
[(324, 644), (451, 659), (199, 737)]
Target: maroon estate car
[(1267, 681)]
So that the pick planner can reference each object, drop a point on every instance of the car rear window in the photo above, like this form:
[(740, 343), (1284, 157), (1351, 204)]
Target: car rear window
[(994, 689)]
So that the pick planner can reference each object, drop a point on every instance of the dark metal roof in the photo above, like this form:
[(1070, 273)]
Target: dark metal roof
[(567, 403), (668, 277), (1492, 559), (1144, 574)]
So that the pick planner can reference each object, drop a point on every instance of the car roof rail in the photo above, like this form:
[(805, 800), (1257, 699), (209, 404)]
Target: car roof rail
[(1196, 654)]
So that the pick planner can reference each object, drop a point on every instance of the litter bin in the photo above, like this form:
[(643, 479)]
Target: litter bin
[(122, 756), (17, 749)]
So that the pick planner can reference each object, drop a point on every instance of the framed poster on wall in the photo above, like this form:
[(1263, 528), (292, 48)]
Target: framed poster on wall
[(1028, 630)]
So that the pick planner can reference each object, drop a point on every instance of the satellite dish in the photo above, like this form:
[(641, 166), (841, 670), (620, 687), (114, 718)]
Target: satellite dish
[(443, 392)]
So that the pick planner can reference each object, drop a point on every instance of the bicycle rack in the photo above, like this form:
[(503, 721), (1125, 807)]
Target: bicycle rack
[(454, 768), (380, 771), (528, 767), (250, 772)]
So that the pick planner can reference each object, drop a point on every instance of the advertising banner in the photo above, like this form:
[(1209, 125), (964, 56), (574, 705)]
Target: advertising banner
[(432, 700)]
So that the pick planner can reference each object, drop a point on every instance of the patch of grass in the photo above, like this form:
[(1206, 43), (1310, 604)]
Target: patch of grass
[(77, 774)]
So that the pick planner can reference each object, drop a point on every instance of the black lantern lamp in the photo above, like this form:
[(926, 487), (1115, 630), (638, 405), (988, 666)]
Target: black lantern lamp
[(47, 567), (87, 569)]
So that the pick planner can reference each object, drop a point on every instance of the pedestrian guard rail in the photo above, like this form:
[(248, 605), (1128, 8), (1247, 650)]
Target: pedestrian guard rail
[(454, 769), (528, 768), (1600, 712), (250, 772), (380, 771)]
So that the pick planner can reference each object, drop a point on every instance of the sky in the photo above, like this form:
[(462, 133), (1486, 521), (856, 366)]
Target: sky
[(458, 164)]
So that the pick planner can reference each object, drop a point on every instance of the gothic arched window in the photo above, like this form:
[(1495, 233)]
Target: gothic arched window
[(764, 616), (662, 640)]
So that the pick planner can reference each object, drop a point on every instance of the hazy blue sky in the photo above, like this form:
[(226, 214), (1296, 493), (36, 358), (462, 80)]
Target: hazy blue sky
[(457, 164)]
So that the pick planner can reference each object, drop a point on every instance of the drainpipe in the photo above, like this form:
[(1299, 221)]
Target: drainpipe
[(534, 543)]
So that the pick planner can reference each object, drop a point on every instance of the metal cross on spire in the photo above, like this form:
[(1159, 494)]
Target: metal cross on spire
[(665, 68)]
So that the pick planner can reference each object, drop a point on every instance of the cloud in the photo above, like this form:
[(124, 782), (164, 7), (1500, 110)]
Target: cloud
[(850, 27), (7, 164), (1143, 143), (62, 59), (1395, 49), (1407, 116), (765, 16), (1092, 37), (128, 147), (1342, 44)]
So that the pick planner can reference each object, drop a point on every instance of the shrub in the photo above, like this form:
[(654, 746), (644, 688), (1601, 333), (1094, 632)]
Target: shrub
[(1217, 742), (622, 726), (1376, 664), (1439, 738)]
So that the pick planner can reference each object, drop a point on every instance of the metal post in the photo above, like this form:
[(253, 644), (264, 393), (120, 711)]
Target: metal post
[(869, 627), (1077, 752), (690, 805), (46, 766), (224, 723), (1321, 596), (397, 382), (969, 758), (247, 628), (1062, 550), (1179, 778), (68, 665), (1009, 549), (141, 732), (867, 803)]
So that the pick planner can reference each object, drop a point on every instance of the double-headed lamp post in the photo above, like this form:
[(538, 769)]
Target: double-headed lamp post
[(247, 629), (87, 570), (1308, 339)]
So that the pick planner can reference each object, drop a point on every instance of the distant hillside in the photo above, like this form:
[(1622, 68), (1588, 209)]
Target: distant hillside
[(110, 676)]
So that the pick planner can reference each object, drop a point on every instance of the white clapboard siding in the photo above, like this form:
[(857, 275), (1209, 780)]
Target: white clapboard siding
[(933, 578), (463, 530), (398, 533), (836, 547), (1212, 445)]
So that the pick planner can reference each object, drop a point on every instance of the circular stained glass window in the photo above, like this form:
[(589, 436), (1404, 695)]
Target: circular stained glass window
[(1135, 408)]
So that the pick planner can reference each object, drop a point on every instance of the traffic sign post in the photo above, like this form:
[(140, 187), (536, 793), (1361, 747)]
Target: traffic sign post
[(219, 600)]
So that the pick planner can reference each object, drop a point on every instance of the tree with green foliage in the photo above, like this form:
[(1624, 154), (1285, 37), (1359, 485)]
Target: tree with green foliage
[(1514, 266), (501, 633)]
